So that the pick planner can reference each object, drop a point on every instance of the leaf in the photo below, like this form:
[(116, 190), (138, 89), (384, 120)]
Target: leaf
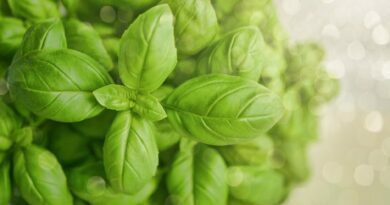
[(84, 38), (42, 36), (192, 180), (133, 4), (9, 121), (88, 182), (149, 107), (34, 11), (246, 182), (39, 177), (70, 147), (221, 110), (238, 53), (23, 137), (5, 183), (121, 98), (166, 136), (130, 153), (115, 97), (58, 84), (255, 152), (195, 24), (147, 52), (11, 35)]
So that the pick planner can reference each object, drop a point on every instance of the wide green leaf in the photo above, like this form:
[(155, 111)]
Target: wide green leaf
[(40, 178), (9, 121), (147, 52), (58, 84), (256, 185), (197, 177), (42, 36), (5, 183), (88, 182), (238, 53), (220, 109), (11, 35), (255, 152), (130, 153), (84, 38), (195, 24), (133, 4), (34, 10)]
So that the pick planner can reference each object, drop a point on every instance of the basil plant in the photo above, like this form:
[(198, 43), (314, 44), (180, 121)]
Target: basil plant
[(145, 102)]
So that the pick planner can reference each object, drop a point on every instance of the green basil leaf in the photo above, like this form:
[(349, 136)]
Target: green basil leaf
[(220, 109), (5, 143), (295, 163), (9, 121), (133, 4), (42, 36), (11, 35), (197, 177), (96, 127), (67, 145), (195, 24), (147, 52), (84, 38), (88, 182), (34, 10), (112, 45), (256, 185), (5, 183), (237, 53), (58, 84), (23, 137), (162, 92), (71, 6), (149, 107), (130, 153), (255, 152), (115, 97), (166, 136), (39, 177)]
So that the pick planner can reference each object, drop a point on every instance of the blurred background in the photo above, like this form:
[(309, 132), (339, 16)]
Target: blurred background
[(350, 161)]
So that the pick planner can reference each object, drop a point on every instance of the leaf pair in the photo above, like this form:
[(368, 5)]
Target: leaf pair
[(55, 82), (197, 176), (121, 98)]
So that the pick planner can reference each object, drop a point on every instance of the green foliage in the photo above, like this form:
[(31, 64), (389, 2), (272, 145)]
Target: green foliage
[(236, 110), (197, 176), (146, 102)]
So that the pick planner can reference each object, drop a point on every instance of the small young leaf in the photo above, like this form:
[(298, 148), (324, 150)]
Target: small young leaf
[(115, 97), (149, 107)]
